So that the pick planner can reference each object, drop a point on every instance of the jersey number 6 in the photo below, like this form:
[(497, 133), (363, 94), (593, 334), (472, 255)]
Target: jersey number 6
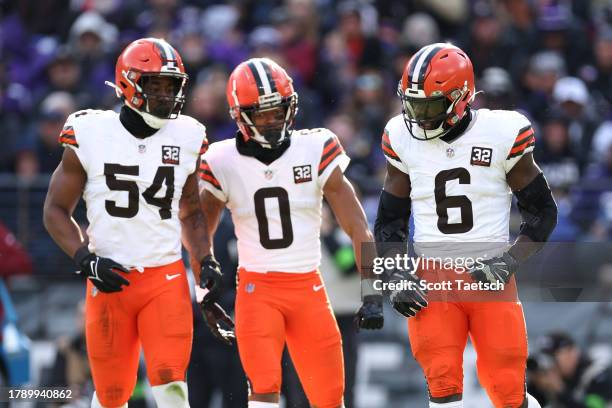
[(164, 174), (444, 202)]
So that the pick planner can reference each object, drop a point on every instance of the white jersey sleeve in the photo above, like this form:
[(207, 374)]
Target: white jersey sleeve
[(520, 142), (332, 153), (71, 136), (212, 171), (392, 143)]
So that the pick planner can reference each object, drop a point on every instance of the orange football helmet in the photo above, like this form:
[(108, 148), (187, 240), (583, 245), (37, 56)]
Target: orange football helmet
[(256, 87), (141, 60), (436, 88)]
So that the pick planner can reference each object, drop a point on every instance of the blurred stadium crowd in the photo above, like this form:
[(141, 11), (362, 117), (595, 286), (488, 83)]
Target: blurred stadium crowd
[(550, 59)]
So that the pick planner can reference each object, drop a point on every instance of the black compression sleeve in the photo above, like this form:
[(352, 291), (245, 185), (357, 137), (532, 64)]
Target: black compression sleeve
[(391, 223), (538, 209)]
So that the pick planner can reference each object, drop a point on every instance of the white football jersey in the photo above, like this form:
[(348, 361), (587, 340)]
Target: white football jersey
[(276, 208), (134, 185), (459, 189)]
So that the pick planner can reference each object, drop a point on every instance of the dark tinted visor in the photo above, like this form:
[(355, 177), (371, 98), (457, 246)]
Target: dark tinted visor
[(426, 109)]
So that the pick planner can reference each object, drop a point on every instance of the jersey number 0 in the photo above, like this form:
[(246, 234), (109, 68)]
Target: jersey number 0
[(282, 196)]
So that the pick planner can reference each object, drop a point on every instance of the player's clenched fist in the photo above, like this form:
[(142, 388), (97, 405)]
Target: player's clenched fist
[(100, 271), (494, 270), (408, 300), (370, 314), (210, 278), (214, 315)]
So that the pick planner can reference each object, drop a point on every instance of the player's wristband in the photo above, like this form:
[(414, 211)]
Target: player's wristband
[(367, 288), (81, 254)]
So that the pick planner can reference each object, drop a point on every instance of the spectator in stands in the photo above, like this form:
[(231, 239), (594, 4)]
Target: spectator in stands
[(544, 70), (15, 103), (207, 103), (71, 368), (602, 83), (486, 42), (194, 51), (559, 31), (370, 105), (574, 102), (227, 43), (555, 155), (364, 50), (40, 152), (498, 91), (91, 39), (14, 259), (297, 26), (566, 376), (592, 197), (64, 73)]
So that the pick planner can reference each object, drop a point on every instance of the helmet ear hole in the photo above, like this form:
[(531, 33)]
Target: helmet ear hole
[(123, 84)]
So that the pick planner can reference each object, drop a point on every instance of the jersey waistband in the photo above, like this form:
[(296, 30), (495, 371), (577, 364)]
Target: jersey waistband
[(278, 275), (157, 269)]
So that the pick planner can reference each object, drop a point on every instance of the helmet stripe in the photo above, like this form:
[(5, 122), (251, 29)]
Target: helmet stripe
[(418, 80), (168, 57), (263, 77), (415, 58), (269, 76), (260, 87)]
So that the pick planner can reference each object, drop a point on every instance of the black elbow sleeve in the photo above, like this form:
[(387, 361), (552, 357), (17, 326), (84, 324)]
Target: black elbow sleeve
[(391, 223), (538, 209)]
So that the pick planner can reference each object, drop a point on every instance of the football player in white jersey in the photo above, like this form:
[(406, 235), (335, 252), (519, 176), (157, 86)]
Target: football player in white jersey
[(272, 180), (455, 168), (137, 174)]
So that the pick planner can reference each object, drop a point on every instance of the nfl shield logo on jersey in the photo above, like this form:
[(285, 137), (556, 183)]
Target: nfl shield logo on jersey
[(250, 288)]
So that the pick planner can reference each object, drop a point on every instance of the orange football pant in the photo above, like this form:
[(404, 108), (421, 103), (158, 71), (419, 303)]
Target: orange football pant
[(438, 336), (275, 307), (154, 310)]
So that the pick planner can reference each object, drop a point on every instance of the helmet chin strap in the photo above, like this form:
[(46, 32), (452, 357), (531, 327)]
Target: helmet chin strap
[(150, 120)]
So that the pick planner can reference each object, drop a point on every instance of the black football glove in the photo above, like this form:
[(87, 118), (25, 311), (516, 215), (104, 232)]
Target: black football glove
[(498, 269), (410, 300), (214, 315), (370, 314), (210, 278), (100, 271)]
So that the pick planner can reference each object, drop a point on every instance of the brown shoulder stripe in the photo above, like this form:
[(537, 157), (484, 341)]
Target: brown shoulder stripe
[(206, 174), (386, 147)]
